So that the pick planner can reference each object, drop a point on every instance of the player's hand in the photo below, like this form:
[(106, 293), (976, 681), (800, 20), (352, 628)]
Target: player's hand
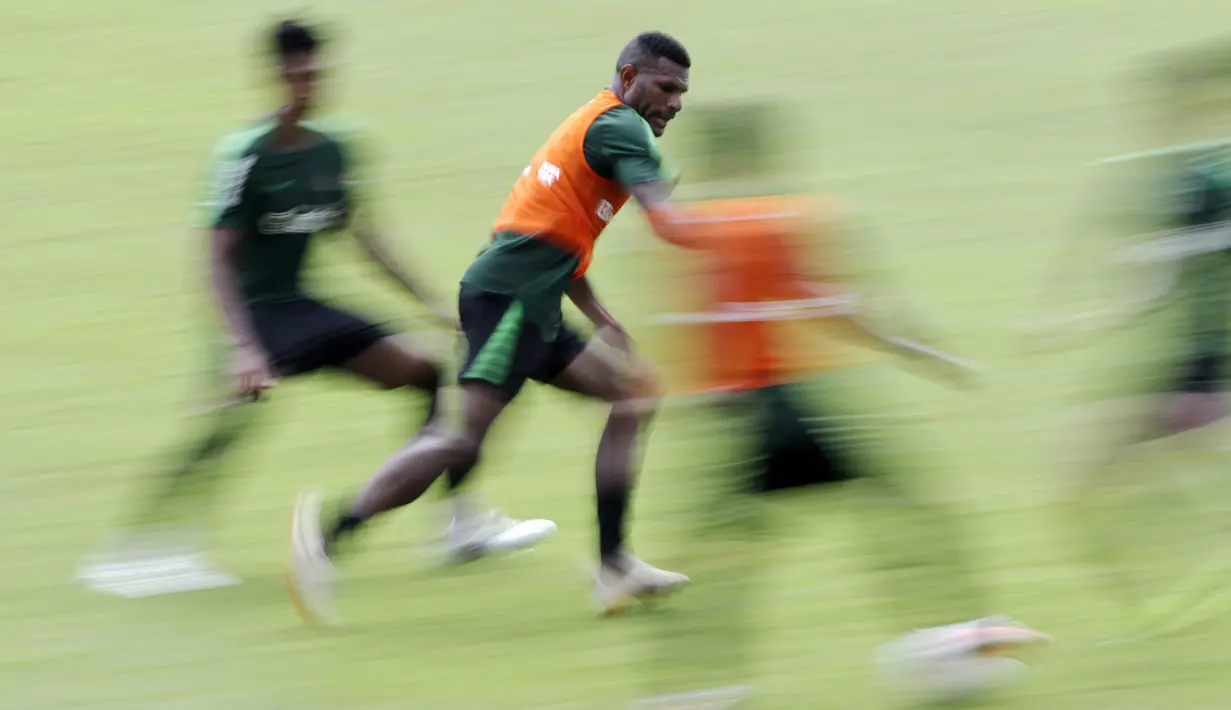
[(954, 371), (252, 372)]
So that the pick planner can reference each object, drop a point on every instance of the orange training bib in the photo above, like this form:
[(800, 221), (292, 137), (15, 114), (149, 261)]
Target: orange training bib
[(559, 198)]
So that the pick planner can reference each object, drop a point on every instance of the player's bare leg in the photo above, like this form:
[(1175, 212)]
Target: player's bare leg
[(474, 531), (162, 548), (1100, 479), (399, 482), (392, 364), (621, 577), (1106, 480)]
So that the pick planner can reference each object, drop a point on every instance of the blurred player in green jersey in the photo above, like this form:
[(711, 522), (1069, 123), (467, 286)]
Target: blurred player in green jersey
[(280, 184), (1188, 223)]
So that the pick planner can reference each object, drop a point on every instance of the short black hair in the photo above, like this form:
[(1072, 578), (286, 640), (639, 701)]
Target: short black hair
[(292, 37), (648, 47)]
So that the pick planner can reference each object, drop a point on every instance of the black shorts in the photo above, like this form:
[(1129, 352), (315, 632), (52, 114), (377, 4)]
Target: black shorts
[(304, 336), (503, 349), (794, 443)]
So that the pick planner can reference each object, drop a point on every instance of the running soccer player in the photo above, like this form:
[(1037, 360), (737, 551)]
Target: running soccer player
[(771, 321), (1196, 91), (1204, 208), (1195, 399), (510, 306), (756, 356), (279, 184)]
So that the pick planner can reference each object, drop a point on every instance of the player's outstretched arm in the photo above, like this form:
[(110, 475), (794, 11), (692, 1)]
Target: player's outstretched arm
[(378, 249), (361, 179), (1201, 197), (821, 280), (1066, 330), (252, 369), (1155, 295), (621, 145), (668, 221), (859, 327)]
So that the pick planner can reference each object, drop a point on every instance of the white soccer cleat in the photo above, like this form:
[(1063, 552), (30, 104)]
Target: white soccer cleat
[(1001, 635), (143, 565), (310, 576), (988, 637), (954, 663), (471, 537), (155, 576), (616, 587)]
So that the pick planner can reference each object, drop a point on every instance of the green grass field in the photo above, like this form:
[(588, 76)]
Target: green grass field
[(957, 127)]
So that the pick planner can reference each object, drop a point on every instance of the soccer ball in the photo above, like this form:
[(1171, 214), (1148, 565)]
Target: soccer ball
[(956, 663)]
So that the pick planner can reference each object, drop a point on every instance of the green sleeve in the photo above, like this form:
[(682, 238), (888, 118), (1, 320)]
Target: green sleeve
[(1203, 199), (620, 146), (230, 202), (1206, 280)]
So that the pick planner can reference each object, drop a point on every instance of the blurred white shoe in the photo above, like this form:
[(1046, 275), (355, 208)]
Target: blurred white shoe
[(470, 536), (617, 586), (152, 563), (310, 576), (953, 663), (996, 636), (990, 636)]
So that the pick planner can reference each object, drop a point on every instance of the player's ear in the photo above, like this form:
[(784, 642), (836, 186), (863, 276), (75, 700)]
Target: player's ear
[(628, 76)]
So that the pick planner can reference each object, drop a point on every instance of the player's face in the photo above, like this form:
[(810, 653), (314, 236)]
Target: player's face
[(301, 74), (657, 94)]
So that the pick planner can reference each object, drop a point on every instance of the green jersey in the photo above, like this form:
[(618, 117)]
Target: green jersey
[(618, 146), (1205, 203), (1205, 196), (278, 199)]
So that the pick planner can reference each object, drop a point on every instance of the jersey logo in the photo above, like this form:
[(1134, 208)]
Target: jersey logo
[(605, 210), (548, 174), (303, 220), (229, 181)]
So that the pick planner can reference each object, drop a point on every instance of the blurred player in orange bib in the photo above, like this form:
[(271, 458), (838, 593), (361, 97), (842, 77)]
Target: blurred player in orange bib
[(760, 302), (763, 305)]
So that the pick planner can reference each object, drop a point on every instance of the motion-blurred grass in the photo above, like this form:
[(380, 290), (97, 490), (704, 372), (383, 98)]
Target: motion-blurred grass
[(956, 127)]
